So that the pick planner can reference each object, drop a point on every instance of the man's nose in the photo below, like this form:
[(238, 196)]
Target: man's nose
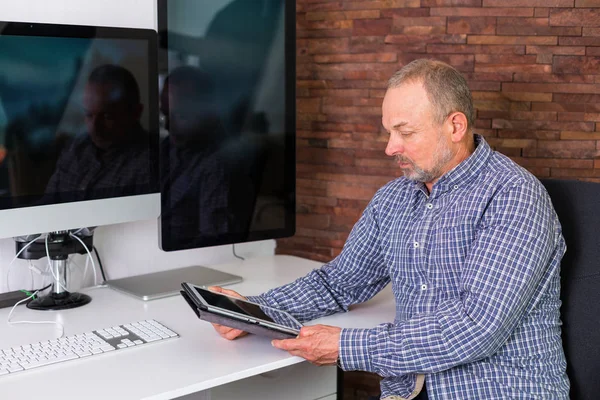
[(394, 146)]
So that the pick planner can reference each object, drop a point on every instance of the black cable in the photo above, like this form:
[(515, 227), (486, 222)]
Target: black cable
[(99, 263), (241, 258)]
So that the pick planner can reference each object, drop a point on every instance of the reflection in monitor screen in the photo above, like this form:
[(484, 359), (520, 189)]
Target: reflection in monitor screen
[(228, 120), (76, 120)]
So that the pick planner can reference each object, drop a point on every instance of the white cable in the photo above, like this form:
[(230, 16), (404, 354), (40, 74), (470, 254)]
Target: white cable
[(90, 257), (50, 266), (13, 260), (62, 327)]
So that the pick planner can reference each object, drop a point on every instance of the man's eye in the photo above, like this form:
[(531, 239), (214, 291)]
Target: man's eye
[(406, 133)]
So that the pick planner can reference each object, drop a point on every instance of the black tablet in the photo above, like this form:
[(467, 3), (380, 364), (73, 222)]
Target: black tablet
[(240, 314)]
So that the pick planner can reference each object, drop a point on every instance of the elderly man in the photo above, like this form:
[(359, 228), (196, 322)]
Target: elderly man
[(471, 246)]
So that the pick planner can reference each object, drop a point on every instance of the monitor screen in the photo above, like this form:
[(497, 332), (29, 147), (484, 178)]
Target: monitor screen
[(78, 124), (227, 103)]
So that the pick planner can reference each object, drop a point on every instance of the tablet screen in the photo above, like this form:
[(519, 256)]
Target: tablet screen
[(248, 309)]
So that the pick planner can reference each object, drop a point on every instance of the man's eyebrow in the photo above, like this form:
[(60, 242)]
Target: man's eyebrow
[(400, 124)]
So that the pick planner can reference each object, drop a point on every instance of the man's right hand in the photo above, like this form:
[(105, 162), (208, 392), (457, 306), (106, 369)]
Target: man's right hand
[(225, 331)]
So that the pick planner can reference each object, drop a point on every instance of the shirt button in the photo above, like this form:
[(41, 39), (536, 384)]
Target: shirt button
[(416, 244), (429, 205), (455, 187), (423, 287)]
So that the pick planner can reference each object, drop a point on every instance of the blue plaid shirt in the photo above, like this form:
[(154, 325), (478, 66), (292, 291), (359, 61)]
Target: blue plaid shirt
[(474, 268)]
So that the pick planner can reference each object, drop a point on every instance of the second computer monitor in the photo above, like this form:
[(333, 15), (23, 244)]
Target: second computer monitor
[(227, 100)]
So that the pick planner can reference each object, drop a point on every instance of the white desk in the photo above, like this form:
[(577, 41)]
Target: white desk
[(197, 361)]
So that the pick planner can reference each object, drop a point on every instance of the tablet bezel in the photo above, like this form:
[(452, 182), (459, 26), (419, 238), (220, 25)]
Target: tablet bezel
[(196, 296)]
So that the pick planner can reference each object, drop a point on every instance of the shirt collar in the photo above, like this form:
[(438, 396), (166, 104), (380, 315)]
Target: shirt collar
[(464, 172)]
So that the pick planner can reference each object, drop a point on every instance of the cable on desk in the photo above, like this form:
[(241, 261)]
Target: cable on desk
[(233, 247), (99, 263)]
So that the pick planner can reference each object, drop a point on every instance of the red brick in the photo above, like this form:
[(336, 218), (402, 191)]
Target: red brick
[(449, 3), (317, 201), (570, 135), (322, 135), (328, 71), (314, 221), (524, 96), (522, 143), (375, 44), (340, 93), (400, 22), (587, 3), (372, 27), (527, 134), (539, 171), (489, 115), (558, 107), (508, 40), (591, 31), (533, 115), (553, 78), (462, 62), (554, 163), (577, 98), (491, 86), (591, 117), (541, 12), (341, 15), (593, 51), (469, 49), (305, 105), (311, 84), (357, 144), (556, 50), (408, 39), (325, 156), (338, 25), (544, 58), (357, 58), (353, 178), (574, 17), (421, 30), (543, 125), (576, 65), (328, 46), (479, 25), (551, 87), (488, 76), (404, 12), (481, 12), (324, 6), (533, 68), (380, 4), (491, 105), (579, 41), (528, 3), (351, 191), (504, 59), (533, 26), (563, 149)]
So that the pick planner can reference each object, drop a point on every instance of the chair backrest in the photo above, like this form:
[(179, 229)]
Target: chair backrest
[(578, 207)]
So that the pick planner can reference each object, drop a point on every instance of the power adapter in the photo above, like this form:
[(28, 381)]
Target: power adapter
[(9, 299)]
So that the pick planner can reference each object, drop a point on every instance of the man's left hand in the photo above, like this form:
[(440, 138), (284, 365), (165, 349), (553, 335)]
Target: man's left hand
[(318, 344)]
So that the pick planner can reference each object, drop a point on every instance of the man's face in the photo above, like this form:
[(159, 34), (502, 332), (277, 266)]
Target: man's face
[(419, 144), (109, 119)]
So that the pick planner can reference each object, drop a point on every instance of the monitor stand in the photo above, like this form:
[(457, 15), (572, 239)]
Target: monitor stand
[(168, 283)]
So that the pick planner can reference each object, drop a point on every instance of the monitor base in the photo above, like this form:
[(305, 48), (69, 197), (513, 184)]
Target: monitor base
[(168, 283), (59, 301)]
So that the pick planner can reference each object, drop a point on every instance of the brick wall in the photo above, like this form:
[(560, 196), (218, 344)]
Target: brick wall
[(533, 67)]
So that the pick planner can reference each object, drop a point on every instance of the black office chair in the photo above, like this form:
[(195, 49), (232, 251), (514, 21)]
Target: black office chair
[(578, 207)]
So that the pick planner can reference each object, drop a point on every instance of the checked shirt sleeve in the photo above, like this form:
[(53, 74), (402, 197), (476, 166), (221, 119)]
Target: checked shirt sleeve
[(501, 279), (355, 276)]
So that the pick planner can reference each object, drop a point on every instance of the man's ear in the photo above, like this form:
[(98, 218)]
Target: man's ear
[(458, 126)]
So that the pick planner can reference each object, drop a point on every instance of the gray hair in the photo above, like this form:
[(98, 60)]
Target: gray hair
[(446, 88)]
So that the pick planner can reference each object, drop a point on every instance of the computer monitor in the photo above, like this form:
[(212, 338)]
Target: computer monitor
[(79, 134), (227, 102)]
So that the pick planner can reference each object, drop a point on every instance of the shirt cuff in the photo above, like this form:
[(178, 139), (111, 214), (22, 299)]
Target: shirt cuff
[(258, 300), (354, 354)]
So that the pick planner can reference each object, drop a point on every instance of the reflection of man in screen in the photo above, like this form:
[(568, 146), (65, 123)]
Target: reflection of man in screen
[(112, 159), (194, 181)]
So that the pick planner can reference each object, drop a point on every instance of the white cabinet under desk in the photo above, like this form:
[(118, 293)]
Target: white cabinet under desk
[(197, 365)]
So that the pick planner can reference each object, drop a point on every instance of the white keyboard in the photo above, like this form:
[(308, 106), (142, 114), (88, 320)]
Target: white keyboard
[(34, 355)]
